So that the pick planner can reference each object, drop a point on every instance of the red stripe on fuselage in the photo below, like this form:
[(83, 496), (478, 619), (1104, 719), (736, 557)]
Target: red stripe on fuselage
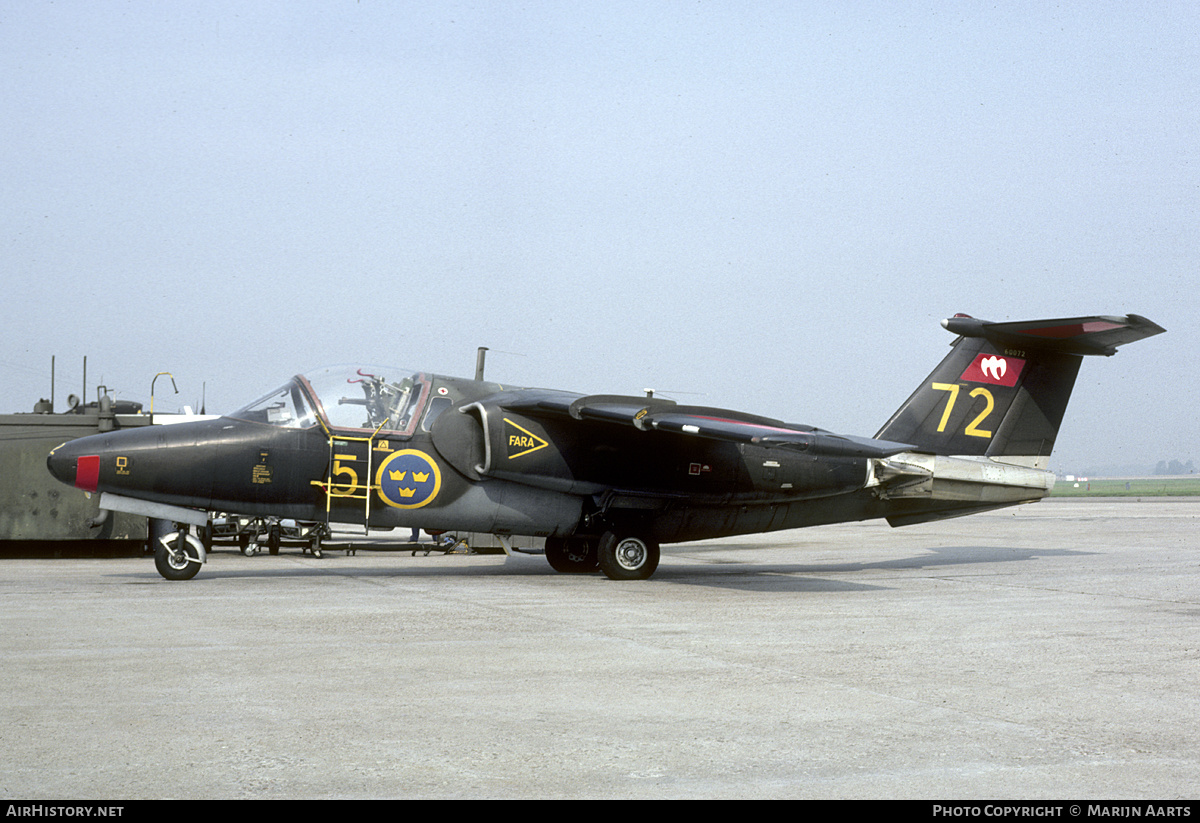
[(744, 423)]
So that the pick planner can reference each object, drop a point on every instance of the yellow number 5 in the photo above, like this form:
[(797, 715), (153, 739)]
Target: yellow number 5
[(338, 471)]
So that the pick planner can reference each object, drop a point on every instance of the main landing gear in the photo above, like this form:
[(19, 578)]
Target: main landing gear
[(627, 556), (572, 555), (621, 556)]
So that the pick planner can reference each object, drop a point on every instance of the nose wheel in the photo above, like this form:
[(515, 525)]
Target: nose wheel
[(178, 555)]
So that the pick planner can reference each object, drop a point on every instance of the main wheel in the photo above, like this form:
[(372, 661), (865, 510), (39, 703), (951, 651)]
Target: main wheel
[(627, 557), (572, 555), (175, 557)]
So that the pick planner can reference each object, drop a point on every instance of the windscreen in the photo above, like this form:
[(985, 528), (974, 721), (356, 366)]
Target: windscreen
[(284, 407)]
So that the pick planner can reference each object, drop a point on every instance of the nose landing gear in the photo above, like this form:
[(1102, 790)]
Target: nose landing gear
[(178, 555)]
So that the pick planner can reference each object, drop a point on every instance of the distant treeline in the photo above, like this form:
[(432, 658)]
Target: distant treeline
[(1174, 467)]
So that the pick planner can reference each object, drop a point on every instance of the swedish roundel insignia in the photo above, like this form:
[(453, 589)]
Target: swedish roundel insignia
[(408, 479)]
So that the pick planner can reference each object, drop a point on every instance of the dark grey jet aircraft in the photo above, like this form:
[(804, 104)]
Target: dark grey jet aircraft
[(605, 479)]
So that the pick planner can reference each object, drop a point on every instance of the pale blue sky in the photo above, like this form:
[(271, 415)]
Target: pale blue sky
[(765, 206)]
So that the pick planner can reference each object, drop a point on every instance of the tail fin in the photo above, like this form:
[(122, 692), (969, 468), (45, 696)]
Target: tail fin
[(1003, 389)]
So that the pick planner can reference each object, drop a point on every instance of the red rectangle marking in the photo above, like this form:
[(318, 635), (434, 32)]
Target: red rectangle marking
[(87, 472), (995, 369)]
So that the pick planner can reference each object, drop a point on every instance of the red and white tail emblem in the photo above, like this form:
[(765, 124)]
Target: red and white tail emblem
[(994, 369)]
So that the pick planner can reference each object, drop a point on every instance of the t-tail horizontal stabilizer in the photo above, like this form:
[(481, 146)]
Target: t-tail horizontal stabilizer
[(1074, 335)]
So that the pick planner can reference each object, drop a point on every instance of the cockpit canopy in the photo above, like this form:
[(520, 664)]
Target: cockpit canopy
[(361, 398)]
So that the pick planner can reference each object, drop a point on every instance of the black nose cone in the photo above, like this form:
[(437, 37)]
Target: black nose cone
[(70, 465)]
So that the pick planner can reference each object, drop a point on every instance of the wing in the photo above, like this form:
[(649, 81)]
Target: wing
[(651, 415)]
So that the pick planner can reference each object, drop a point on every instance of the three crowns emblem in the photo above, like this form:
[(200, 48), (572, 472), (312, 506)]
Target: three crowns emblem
[(408, 479), (418, 477)]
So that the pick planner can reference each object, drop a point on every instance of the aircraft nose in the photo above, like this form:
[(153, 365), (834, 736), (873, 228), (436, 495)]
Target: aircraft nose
[(69, 465)]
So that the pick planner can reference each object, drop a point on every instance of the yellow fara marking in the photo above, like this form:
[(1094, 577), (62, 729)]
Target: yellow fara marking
[(528, 442)]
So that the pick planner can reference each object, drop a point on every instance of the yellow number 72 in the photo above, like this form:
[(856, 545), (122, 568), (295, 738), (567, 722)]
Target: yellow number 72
[(973, 427)]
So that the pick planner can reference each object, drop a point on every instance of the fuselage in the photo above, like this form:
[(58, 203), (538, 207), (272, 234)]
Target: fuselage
[(357, 446)]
